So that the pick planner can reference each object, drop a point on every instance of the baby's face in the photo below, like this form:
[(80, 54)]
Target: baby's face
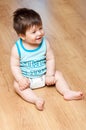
[(34, 35)]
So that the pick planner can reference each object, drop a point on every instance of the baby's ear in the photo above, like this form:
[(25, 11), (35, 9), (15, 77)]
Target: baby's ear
[(22, 36)]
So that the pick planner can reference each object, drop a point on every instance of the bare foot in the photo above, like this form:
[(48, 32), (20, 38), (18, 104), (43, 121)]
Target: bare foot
[(40, 104), (73, 95)]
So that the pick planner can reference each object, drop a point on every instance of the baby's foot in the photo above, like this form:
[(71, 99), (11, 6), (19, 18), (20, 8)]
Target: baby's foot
[(40, 104), (73, 95)]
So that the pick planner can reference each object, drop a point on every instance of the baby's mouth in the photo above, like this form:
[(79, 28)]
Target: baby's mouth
[(39, 38)]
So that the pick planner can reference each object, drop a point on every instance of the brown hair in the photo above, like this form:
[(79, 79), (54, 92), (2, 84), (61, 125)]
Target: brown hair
[(24, 18)]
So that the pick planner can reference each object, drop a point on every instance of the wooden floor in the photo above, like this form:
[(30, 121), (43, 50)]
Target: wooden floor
[(65, 27)]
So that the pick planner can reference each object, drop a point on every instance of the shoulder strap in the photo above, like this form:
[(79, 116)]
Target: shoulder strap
[(18, 48)]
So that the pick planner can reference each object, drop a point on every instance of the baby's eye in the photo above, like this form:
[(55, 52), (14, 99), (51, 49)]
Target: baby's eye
[(34, 32), (40, 28)]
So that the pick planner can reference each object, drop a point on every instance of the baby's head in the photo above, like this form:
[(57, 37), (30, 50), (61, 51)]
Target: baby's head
[(25, 18)]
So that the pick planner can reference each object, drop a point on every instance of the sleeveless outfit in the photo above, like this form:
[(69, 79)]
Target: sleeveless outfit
[(33, 63)]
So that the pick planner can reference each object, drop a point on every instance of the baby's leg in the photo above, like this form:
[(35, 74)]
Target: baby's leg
[(63, 88), (29, 96)]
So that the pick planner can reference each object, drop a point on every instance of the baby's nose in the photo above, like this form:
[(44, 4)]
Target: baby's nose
[(39, 32)]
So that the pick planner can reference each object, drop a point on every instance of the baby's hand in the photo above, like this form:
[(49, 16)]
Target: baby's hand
[(50, 80), (24, 83)]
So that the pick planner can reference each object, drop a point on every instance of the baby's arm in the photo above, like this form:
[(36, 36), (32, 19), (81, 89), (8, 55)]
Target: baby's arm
[(50, 62), (15, 67)]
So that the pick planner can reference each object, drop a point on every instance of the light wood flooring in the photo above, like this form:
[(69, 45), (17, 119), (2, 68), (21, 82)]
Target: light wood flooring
[(65, 27)]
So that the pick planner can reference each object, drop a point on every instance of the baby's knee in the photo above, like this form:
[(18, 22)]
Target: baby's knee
[(16, 86), (58, 73)]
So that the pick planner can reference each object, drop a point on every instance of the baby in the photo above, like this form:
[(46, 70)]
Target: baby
[(33, 62)]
